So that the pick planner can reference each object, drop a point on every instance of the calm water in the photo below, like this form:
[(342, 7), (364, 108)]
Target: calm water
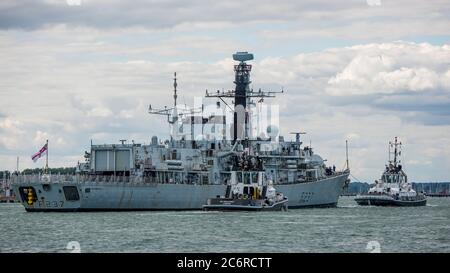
[(348, 228)]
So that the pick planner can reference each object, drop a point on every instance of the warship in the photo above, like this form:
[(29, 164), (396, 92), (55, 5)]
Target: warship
[(393, 189), (205, 151)]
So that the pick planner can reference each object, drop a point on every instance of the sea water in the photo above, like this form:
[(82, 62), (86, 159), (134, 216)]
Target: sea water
[(347, 228)]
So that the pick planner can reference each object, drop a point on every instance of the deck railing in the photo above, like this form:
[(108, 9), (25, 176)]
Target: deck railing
[(56, 178), (79, 178)]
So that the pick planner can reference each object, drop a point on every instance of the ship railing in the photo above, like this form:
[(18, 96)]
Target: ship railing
[(60, 178), (98, 179), (86, 178)]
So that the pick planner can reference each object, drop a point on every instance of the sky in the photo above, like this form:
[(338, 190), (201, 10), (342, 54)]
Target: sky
[(365, 71)]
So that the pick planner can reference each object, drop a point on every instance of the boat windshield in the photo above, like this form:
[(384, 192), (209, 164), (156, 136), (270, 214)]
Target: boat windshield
[(247, 176), (393, 178), (255, 178), (239, 177)]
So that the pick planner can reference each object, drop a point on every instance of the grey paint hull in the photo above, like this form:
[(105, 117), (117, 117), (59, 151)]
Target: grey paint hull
[(388, 202), (129, 196), (280, 206)]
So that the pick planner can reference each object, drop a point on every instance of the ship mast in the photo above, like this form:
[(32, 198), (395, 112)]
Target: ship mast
[(175, 89), (396, 145), (346, 154), (175, 113), (242, 95), (168, 111)]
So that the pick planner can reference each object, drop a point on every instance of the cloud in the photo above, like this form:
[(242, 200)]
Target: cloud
[(40, 137), (392, 68), (31, 14), (99, 112), (10, 129), (407, 79), (371, 28), (75, 73), (287, 20)]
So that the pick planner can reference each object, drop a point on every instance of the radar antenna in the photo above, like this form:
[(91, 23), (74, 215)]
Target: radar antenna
[(173, 112), (242, 94), (297, 136)]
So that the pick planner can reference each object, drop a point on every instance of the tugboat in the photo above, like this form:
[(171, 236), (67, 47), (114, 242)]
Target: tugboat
[(249, 190), (393, 189), (247, 196)]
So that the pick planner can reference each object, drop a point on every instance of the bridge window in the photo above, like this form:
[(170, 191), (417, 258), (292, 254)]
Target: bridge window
[(254, 177), (247, 178), (239, 177)]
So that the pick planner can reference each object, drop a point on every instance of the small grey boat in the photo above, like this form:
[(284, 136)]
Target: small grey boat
[(251, 193)]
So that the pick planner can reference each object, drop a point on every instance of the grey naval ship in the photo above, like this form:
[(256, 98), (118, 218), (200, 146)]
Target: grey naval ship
[(183, 172), (393, 189)]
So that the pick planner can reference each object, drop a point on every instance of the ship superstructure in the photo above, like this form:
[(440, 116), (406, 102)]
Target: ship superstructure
[(198, 162)]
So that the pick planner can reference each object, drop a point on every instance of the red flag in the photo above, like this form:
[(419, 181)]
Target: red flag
[(39, 154)]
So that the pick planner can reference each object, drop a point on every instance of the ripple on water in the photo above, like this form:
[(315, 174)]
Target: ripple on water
[(347, 228)]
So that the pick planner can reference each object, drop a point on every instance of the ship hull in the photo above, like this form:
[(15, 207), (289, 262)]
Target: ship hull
[(107, 196), (388, 201), (280, 206)]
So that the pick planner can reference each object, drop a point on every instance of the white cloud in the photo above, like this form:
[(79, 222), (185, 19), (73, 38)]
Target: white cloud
[(353, 136), (10, 131), (40, 138), (392, 68), (10, 125), (373, 2), (407, 79), (89, 72), (99, 112)]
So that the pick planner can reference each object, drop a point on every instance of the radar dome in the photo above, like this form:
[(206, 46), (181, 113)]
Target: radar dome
[(262, 135), (272, 130), (316, 159)]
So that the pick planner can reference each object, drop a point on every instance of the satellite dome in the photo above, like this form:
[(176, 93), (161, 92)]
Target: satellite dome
[(316, 159), (272, 130), (262, 135)]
